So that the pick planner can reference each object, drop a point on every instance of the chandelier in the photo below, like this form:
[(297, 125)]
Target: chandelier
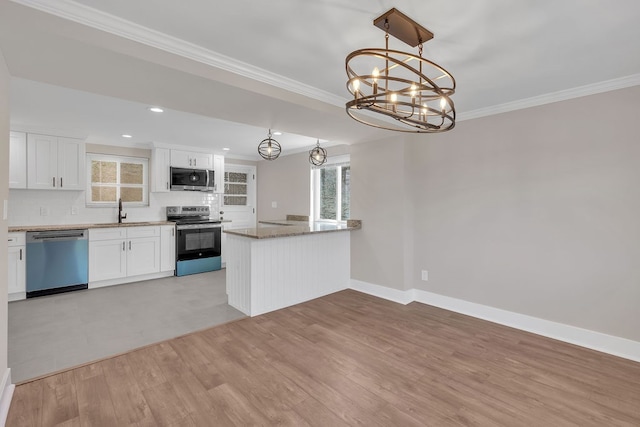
[(269, 148), (400, 91), (318, 155)]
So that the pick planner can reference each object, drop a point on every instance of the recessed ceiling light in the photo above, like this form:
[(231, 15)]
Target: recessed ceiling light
[(124, 135), (156, 109), (277, 133), (226, 149)]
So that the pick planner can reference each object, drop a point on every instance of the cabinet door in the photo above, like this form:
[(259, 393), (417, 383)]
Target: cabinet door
[(16, 267), (160, 166), (218, 172), (71, 161), (42, 161), (18, 160), (167, 248), (181, 159), (143, 256), (107, 259), (202, 160)]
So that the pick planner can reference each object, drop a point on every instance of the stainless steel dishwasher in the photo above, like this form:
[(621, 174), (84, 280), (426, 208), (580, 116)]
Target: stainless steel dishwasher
[(57, 261)]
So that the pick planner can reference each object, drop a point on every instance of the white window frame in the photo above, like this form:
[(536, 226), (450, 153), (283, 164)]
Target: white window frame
[(118, 159), (337, 161)]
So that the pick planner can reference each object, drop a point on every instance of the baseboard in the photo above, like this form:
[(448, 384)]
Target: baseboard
[(6, 388), (395, 295), (609, 344)]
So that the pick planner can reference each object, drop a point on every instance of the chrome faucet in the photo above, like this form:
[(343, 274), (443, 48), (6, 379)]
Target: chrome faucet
[(121, 216)]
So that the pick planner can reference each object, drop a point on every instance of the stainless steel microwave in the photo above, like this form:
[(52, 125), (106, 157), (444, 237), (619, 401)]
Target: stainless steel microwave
[(191, 179)]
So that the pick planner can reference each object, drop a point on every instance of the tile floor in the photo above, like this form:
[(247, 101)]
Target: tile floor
[(50, 333)]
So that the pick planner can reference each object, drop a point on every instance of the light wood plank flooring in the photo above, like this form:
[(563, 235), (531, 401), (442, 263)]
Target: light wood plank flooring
[(345, 359)]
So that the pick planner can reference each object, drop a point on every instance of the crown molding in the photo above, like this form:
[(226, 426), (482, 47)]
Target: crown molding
[(563, 95), (73, 11), (81, 14)]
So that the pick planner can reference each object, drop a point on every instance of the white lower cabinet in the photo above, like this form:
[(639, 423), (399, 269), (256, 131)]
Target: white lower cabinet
[(107, 259), (119, 253), (167, 248), (17, 284)]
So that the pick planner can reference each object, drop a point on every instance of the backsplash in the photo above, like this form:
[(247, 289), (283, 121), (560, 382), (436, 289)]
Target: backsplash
[(46, 207)]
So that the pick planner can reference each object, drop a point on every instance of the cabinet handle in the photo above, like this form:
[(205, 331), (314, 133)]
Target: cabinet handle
[(195, 162), (167, 185), (20, 254), (129, 244), (54, 181), (123, 247), (173, 232), (60, 182)]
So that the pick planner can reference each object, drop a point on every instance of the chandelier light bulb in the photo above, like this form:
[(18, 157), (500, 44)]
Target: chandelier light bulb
[(356, 85), (375, 74), (443, 104), (413, 90)]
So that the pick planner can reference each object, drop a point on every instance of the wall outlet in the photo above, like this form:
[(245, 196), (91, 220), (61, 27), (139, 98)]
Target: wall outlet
[(274, 204), (44, 211), (74, 210), (425, 275)]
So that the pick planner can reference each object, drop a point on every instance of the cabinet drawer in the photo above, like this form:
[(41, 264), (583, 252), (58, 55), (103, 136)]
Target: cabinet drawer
[(145, 231), (96, 234), (17, 239)]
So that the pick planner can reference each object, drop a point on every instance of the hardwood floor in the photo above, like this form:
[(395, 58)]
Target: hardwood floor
[(345, 359)]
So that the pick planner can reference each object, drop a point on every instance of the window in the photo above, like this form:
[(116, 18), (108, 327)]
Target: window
[(330, 194), (235, 188), (113, 177)]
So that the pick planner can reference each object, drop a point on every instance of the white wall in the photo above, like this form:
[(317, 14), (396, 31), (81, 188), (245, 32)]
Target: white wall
[(378, 198), (287, 181), (536, 211), (25, 207), (4, 195)]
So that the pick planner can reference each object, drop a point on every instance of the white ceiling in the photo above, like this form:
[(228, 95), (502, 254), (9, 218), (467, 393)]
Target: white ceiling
[(227, 71)]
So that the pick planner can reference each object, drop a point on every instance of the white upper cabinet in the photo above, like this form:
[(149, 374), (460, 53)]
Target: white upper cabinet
[(218, 174), (160, 163), (55, 163), (191, 159), (18, 160)]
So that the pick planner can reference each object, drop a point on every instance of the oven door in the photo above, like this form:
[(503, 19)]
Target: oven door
[(195, 241)]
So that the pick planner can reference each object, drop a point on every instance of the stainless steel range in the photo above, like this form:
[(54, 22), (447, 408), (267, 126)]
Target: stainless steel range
[(198, 238)]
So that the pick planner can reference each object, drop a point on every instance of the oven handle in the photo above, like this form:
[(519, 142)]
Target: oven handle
[(197, 226)]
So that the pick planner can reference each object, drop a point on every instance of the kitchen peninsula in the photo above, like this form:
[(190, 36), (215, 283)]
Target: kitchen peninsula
[(286, 262)]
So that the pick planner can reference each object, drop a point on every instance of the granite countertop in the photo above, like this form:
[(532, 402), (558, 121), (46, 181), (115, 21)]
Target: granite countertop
[(293, 228), (85, 226)]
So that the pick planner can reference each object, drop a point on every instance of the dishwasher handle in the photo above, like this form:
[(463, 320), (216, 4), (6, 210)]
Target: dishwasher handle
[(40, 236)]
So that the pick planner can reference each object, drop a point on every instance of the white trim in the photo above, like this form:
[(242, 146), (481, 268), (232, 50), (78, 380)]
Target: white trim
[(610, 344), (95, 18), (7, 394), (563, 95), (395, 295)]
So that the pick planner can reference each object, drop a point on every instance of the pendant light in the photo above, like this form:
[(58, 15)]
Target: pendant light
[(269, 148), (318, 155)]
